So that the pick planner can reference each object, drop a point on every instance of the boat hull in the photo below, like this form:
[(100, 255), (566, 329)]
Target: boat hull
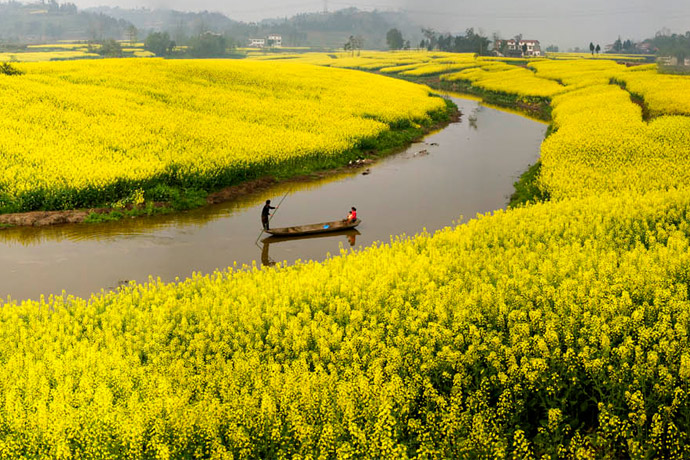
[(323, 227)]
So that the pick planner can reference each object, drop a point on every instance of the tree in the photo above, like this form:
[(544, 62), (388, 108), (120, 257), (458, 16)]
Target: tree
[(132, 33), (618, 45), (591, 48), (496, 42), (394, 39), (359, 43), (671, 45), (208, 45), (598, 48), (348, 46), (524, 48), (159, 43), (110, 48), (354, 43), (431, 38), (552, 49)]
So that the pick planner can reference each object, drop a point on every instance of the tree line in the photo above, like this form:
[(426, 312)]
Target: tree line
[(469, 42), (203, 45), (675, 45)]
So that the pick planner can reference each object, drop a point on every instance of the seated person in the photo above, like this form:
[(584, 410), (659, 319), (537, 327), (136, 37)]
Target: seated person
[(352, 215)]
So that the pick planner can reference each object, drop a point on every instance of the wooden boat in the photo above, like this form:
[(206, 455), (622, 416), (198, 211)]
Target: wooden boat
[(271, 239), (323, 227)]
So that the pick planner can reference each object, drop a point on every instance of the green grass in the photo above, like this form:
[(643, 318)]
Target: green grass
[(536, 107), (526, 188)]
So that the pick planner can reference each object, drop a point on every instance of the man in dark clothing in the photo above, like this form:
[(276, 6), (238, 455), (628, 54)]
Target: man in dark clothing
[(265, 213)]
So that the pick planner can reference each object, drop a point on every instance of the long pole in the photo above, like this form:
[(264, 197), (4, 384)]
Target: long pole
[(274, 213)]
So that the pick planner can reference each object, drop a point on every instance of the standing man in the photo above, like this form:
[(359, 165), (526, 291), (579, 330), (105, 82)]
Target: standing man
[(265, 213)]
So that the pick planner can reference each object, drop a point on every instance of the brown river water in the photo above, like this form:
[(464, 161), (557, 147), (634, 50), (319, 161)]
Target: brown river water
[(467, 168)]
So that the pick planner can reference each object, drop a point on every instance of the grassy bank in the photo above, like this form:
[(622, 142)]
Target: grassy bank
[(535, 107), (163, 198), (170, 131), (527, 189)]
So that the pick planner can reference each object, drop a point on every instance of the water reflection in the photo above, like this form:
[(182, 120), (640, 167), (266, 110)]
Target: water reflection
[(474, 116), (267, 261)]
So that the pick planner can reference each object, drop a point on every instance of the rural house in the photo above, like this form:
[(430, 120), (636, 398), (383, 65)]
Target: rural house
[(533, 48), (271, 41)]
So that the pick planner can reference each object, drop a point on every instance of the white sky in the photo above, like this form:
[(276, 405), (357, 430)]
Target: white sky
[(566, 23)]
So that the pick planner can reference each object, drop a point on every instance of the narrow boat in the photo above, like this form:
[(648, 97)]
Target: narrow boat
[(348, 233), (335, 226)]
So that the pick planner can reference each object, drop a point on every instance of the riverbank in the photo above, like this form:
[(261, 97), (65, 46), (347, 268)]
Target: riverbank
[(526, 187), (461, 170), (534, 107), (182, 199)]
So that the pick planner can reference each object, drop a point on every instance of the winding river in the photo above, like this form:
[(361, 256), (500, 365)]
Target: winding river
[(467, 168)]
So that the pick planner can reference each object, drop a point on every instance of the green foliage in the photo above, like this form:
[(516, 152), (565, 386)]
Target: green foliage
[(8, 69), (470, 42), (20, 22), (208, 45), (188, 199), (675, 45), (97, 218), (161, 192), (159, 43), (354, 43), (110, 49), (527, 189), (394, 39)]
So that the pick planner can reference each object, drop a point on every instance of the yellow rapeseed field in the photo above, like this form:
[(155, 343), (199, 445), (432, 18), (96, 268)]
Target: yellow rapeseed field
[(553, 330), (559, 329), (81, 133), (654, 89)]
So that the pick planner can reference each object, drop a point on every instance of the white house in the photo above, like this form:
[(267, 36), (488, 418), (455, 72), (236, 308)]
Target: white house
[(272, 41), (533, 47)]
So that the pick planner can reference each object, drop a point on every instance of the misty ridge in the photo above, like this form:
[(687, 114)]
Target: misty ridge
[(214, 34), (47, 22)]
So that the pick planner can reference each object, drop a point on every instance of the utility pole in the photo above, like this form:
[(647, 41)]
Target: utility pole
[(325, 6)]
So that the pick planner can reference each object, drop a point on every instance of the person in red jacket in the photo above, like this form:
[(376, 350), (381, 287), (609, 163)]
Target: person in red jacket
[(352, 215)]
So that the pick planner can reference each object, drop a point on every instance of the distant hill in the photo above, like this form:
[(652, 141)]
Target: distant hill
[(35, 23), (320, 30), (180, 25), (331, 30)]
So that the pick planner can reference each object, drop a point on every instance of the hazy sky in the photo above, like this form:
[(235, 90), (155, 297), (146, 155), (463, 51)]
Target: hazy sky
[(566, 23)]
